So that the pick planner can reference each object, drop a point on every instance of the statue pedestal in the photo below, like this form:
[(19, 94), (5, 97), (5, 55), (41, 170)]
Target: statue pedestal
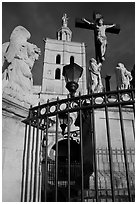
[(13, 112)]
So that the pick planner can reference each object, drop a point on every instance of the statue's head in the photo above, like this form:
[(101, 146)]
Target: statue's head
[(92, 60), (100, 21), (120, 65), (65, 15), (98, 18), (20, 34)]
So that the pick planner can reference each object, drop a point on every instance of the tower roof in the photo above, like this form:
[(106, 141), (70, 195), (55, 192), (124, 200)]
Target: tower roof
[(64, 33)]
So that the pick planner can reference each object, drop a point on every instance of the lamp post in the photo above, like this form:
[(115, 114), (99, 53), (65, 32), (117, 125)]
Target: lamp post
[(63, 118), (72, 72), (107, 81)]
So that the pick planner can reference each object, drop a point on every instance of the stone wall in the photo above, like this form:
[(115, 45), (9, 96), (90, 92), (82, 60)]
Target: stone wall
[(13, 131), (115, 128)]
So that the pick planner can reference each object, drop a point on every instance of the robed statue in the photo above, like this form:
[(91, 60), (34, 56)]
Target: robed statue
[(123, 77), (95, 76)]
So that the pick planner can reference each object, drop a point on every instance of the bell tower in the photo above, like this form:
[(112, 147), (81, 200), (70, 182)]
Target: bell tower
[(58, 53)]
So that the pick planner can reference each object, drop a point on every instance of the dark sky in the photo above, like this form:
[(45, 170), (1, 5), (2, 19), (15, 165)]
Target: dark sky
[(44, 19)]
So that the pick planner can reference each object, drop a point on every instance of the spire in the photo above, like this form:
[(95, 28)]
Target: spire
[(64, 33)]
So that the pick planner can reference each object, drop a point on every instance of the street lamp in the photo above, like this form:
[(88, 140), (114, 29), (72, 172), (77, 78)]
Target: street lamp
[(72, 72), (63, 118)]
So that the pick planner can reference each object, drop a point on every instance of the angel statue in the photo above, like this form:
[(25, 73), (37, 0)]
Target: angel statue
[(123, 77), (18, 60)]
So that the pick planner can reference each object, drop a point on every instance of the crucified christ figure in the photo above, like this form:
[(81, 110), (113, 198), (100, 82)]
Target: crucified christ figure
[(100, 35)]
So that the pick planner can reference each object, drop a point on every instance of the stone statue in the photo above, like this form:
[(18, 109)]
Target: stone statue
[(65, 20), (18, 59), (96, 82), (100, 34), (123, 77), (132, 82)]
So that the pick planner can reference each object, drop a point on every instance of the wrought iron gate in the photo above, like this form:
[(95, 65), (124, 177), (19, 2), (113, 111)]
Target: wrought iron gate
[(74, 169)]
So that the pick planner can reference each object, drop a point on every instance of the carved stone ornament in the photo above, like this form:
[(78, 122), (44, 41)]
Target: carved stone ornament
[(18, 59)]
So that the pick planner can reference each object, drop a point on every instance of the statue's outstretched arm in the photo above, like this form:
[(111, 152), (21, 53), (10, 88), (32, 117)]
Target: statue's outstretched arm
[(86, 21), (110, 26)]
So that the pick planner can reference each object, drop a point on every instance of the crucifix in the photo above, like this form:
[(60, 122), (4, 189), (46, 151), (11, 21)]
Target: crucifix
[(100, 28)]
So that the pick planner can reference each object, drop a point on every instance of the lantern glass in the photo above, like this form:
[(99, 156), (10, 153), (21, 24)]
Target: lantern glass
[(72, 72), (63, 118)]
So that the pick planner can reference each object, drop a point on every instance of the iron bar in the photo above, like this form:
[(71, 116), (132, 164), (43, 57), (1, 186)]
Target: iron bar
[(133, 98), (23, 165), (133, 128), (46, 154), (32, 167), (56, 158), (81, 143), (40, 169), (36, 161), (134, 109), (94, 151), (68, 156), (38, 166), (46, 163), (28, 162), (110, 154), (125, 152)]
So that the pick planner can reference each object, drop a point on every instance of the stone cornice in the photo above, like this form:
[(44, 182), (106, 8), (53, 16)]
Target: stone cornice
[(14, 108)]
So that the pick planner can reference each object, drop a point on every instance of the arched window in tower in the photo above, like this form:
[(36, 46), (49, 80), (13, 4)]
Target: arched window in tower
[(58, 59), (60, 36), (57, 73), (72, 59)]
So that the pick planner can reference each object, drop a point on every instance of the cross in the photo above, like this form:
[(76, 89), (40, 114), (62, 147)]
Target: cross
[(100, 42)]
